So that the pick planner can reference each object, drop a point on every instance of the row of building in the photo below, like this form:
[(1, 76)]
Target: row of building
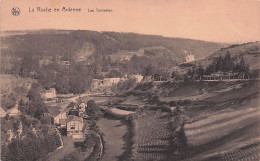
[(71, 120), (106, 83)]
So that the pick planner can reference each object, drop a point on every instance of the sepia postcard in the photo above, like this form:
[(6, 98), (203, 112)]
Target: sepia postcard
[(129, 80)]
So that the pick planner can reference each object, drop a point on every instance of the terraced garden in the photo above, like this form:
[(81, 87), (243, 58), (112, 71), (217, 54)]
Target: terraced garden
[(152, 136)]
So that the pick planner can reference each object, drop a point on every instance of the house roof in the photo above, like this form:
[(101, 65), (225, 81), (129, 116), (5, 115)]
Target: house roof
[(82, 105), (13, 109), (63, 121), (2, 109), (54, 111), (2, 112), (74, 118)]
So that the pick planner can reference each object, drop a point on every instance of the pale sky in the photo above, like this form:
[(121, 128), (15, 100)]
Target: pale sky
[(211, 20)]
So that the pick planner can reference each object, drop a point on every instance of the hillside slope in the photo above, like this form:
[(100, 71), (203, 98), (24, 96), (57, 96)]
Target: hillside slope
[(13, 88), (49, 42), (250, 52)]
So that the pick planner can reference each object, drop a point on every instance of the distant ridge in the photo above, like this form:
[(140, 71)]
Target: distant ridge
[(249, 51), (106, 43)]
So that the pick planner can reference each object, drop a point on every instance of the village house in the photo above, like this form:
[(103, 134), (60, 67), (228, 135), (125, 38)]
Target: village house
[(82, 109), (14, 111), (125, 58), (108, 82), (49, 94), (103, 84), (155, 78), (65, 63), (58, 116), (97, 84), (147, 78), (159, 78), (75, 127), (112, 67), (138, 78), (60, 119), (3, 112), (190, 58)]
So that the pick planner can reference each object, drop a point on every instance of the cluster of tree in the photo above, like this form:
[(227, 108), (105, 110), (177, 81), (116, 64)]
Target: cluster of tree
[(124, 85), (35, 107), (100, 63), (8, 101), (93, 110), (227, 64), (148, 66), (30, 148), (220, 64), (32, 139), (75, 78)]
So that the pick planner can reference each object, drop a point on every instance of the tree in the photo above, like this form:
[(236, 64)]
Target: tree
[(126, 85), (8, 101), (36, 107), (150, 70), (228, 64), (175, 76), (191, 73), (114, 74), (22, 106), (210, 69), (219, 64), (200, 71), (93, 110), (72, 104), (29, 66), (242, 67)]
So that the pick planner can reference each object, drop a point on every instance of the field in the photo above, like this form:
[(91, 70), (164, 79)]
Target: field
[(222, 122), (114, 132), (152, 136), (229, 134)]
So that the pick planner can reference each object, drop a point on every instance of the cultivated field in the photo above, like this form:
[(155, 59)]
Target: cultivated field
[(231, 134), (152, 136)]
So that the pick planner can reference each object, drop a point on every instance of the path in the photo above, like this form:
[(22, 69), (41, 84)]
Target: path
[(58, 154)]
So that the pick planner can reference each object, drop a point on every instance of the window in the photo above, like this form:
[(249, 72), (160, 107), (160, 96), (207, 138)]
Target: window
[(72, 127)]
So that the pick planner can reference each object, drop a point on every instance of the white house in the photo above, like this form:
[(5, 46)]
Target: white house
[(125, 58), (14, 111), (190, 58), (49, 94), (3, 112), (75, 127)]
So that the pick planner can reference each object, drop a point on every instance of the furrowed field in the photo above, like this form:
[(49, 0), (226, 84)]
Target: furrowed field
[(230, 134), (152, 136)]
